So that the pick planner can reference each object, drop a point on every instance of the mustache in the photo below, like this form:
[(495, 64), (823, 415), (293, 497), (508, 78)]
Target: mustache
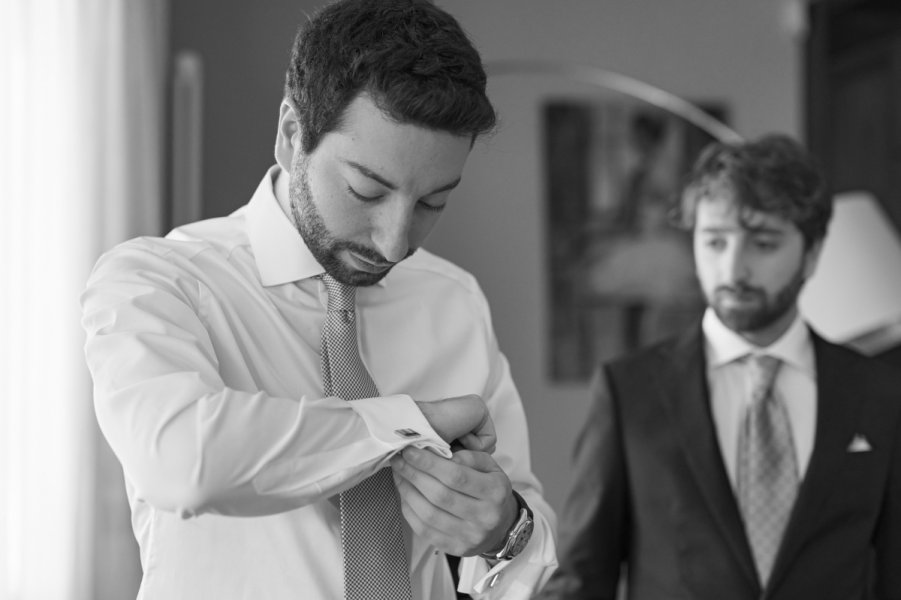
[(739, 289), (368, 253)]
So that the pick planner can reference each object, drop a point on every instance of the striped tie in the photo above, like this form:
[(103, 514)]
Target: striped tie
[(767, 466), (375, 560)]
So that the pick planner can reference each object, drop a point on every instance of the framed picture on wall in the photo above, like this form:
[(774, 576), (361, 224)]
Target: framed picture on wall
[(619, 274)]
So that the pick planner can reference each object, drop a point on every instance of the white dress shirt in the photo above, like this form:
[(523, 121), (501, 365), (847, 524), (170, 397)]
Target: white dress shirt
[(204, 349), (727, 378)]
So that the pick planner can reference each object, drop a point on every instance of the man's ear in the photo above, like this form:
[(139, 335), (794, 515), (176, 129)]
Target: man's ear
[(287, 140)]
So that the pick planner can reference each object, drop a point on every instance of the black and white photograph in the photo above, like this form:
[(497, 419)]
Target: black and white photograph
[(450, 300)]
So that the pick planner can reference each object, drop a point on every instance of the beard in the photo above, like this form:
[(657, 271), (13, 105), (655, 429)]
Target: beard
[(324, 247), (762, 311)]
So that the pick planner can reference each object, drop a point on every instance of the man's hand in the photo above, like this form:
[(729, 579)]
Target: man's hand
[(463, 505), (463, 419)]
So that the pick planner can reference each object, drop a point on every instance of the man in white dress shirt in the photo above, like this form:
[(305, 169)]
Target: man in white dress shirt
[(204, 346), (747, 458)]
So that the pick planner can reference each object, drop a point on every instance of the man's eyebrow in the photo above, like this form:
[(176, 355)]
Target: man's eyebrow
[(766, 229), (769, 229), (763, 227), (367, 172)]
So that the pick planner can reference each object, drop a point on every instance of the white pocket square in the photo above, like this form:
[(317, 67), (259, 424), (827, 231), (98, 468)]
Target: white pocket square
[(859, 444)]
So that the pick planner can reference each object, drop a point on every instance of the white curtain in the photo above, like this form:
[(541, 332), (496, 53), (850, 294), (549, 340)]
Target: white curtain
[(81, 128)]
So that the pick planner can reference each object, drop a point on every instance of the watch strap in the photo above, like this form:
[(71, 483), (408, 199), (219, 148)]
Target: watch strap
[(524, 517)]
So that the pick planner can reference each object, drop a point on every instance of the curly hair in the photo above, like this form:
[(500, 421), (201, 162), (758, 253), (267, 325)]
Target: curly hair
[(411, 57), (773, 174)]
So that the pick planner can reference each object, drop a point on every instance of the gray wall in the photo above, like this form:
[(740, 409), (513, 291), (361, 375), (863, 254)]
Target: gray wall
[(743, 53), (245, 48)]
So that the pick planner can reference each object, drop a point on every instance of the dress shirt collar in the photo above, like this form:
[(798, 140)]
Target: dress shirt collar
[(280, 252), (794, 347)]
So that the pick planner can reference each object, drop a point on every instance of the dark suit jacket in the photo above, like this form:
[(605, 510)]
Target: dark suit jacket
[(651, 493)]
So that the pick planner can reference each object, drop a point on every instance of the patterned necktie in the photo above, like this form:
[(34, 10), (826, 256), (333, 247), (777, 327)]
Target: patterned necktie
[(767, 466), (375, 560)]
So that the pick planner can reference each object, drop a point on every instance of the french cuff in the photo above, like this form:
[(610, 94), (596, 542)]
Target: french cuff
[(516, 579), (392, 422), (397, 422)]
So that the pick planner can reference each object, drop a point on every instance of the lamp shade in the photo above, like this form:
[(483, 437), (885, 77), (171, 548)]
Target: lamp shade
[(854, 296)]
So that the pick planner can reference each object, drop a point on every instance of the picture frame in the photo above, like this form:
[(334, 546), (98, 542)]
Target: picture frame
[(620, 275)]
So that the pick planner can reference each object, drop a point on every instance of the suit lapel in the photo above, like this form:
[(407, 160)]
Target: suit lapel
[(687, 399), (835, 425)]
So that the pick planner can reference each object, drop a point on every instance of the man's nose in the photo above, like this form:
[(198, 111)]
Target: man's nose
[(391, 231), (735, 266)]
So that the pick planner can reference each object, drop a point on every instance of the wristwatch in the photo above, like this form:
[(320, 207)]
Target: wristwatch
[(518, 536)]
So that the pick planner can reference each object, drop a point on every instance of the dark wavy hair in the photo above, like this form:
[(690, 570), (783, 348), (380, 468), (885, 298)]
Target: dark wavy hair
[(411, 57), (773, 174)]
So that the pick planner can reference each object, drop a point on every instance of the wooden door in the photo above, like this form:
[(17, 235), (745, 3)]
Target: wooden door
[(853, 99)]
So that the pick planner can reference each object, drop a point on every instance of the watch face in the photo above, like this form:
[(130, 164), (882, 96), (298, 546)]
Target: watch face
[(522, 538)]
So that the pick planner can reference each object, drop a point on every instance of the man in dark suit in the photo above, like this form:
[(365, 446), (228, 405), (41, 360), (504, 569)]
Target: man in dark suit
[(747, 458)]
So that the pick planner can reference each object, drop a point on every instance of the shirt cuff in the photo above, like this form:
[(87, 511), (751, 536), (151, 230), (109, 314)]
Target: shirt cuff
[(516, 579), (391, 422), (397, 422)]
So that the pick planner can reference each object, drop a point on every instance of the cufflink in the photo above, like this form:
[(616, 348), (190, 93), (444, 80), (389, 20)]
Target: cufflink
[(407, 434), (859, 444)]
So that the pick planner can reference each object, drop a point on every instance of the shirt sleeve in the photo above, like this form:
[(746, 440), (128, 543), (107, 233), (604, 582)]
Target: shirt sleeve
[(190, 444), (595, 517), (524, 575)]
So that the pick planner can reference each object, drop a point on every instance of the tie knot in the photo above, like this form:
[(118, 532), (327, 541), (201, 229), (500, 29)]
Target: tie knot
[(762, 371), (340, 296)]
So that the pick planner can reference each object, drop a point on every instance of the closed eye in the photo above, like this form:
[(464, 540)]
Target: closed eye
[(432, 207), (361, 197)]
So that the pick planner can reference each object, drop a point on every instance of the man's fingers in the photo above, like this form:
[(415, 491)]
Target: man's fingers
[(485, 443), (458, 522), (458, 485), (460, 472), (421, 510), (439, 528), (438, 478), (485, 433), (476, 460)]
